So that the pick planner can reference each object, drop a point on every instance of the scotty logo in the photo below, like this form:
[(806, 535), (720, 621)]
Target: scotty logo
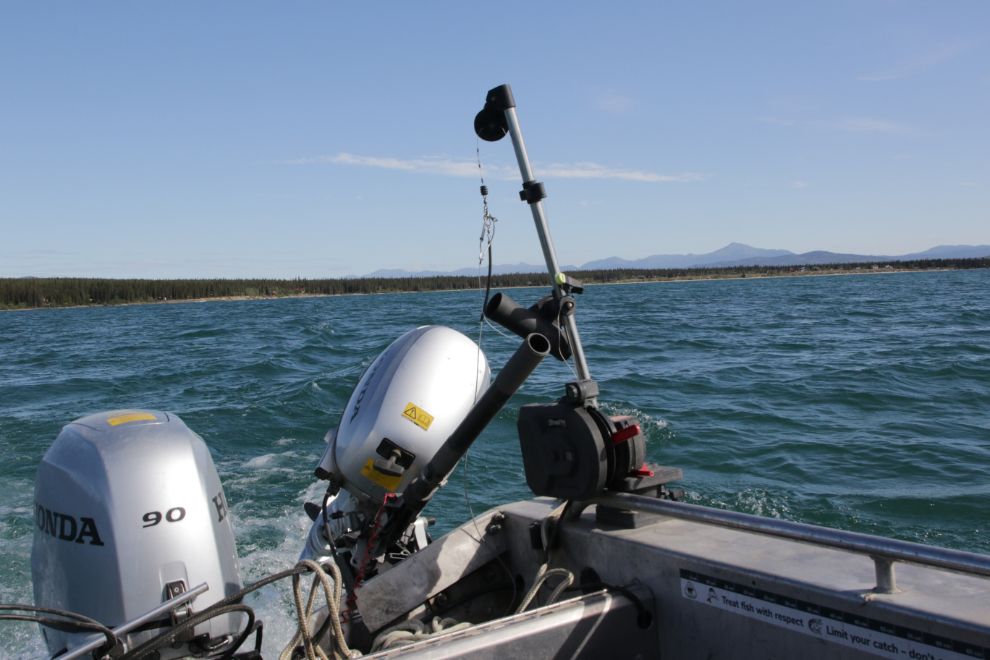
[(66, 528)]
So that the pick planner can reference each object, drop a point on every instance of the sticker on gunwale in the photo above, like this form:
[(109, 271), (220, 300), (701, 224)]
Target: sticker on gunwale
[(850, 630), (418, 416)]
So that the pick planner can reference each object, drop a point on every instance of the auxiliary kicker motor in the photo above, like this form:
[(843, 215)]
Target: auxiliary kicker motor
[(129, 512)]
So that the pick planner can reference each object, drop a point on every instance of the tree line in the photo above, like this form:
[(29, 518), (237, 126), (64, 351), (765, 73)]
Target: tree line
[(20, 293)]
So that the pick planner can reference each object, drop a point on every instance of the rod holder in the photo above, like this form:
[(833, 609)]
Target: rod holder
[(514, 317)]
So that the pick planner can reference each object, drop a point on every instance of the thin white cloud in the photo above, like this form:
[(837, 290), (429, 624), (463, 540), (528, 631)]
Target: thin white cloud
[(861, 124), (777, 121), (32, 253), (428, 165), (864, 124), (799, 184), (467, 168), (595, 171), (920, 63), (613, 103)]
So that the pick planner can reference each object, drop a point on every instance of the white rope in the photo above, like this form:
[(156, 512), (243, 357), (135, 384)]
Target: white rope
[(542, 576), (495, 328), (414, 630), (338, 642)]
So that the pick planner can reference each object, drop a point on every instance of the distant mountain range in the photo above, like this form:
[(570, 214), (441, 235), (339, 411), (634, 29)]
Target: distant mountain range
[(822, 257), (504, 269), (733, 254)]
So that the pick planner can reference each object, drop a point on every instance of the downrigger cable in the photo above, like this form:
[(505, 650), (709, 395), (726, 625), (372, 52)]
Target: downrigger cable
[(487, 232)]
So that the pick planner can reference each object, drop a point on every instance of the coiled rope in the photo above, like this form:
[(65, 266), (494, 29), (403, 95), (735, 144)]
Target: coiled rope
[(414, 630), (332, 591), (543, 574)]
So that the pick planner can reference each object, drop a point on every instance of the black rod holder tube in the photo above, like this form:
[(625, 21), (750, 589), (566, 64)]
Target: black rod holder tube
[(515, 318), (515, 372)]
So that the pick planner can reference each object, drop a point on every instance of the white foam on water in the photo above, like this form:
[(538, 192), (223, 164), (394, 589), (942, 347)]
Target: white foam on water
[(647, 422), (274, 603), (259, 461), (23, 643), (21, 640), (5, 510), (756, 501), (266, 459)]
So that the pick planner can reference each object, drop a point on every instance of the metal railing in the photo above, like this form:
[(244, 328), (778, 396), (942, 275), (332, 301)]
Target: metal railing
[(883, 551), (128, 626)]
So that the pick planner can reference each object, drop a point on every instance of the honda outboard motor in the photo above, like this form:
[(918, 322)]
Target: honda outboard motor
[(129, 512), (404, 407)]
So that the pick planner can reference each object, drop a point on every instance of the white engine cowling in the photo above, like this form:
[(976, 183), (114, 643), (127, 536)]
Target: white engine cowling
[(129, 512), (405, 406)]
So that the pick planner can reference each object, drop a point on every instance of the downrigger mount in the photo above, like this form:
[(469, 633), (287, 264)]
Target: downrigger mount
[(571, 450)]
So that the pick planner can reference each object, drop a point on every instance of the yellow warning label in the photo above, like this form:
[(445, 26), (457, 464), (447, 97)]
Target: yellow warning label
[(387, 482), (123, 419), (418, 416)]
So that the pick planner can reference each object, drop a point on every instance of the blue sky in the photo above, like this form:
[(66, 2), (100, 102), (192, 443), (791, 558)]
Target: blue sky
[(310, 139)]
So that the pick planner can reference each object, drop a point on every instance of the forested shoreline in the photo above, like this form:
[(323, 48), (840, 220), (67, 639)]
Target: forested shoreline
[(29, 293)]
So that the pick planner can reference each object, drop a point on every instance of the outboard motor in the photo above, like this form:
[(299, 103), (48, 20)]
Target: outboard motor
[(129, 512), (404, 407)]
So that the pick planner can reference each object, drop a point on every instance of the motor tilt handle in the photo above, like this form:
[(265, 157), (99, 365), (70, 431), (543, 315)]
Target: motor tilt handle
[(418, 493)]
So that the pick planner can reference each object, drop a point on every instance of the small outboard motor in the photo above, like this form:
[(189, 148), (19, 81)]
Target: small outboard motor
[(407, 403), (129, 512), (404, 407)]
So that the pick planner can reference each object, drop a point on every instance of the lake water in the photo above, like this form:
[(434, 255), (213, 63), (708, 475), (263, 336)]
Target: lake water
[(856, 402)]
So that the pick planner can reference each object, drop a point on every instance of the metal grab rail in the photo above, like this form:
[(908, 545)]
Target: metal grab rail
[(128, 626), (883, 551)]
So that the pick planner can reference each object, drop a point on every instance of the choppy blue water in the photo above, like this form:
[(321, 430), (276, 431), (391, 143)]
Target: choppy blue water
[(856, 402)]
